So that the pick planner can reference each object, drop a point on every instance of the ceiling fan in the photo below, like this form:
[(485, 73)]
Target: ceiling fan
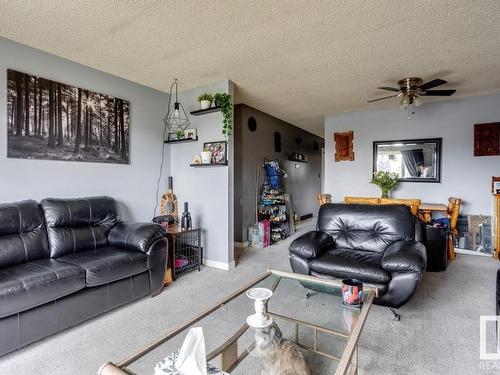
[(411, 89)]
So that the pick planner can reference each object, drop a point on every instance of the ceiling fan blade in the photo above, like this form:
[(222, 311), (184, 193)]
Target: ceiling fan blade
[(431, 84), (385, 97), (439, 92), (389, 88)]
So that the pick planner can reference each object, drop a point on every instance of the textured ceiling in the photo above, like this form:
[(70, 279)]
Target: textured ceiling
[(297, 60)]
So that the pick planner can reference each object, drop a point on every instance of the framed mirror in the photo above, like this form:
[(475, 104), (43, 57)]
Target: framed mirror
[(414, 160)]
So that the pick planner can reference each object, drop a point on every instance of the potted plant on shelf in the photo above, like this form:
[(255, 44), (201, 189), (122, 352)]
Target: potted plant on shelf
[(386, 181), (223, 101), (206, 156), (205, 100)]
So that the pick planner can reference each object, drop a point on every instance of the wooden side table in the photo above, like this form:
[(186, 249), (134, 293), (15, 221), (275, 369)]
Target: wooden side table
[(185, 249)]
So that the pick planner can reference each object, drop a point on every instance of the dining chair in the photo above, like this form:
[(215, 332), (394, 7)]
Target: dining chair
[(324, 198), (414, 204), (453, 212), (361, 200)]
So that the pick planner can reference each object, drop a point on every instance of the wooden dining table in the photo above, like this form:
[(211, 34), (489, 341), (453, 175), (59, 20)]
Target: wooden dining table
[(428, 208)]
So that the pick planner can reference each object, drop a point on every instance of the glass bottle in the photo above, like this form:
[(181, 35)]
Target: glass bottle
[(186, 218)]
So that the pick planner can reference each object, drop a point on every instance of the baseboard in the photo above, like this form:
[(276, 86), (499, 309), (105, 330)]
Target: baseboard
[(241, 245), (219, 265), (472, 252)]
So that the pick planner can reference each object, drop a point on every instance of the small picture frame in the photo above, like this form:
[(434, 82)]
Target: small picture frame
[(190, 133), (495, 185), (219, 151)]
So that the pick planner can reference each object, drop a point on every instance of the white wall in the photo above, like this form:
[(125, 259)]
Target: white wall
[(462, 174), (132, 185), (208, 190)]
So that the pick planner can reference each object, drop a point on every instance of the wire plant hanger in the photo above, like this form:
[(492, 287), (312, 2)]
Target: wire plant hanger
[(176, 119)]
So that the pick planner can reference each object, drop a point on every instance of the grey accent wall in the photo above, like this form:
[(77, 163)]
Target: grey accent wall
[(132, 185), (462, 174), (303, 183)]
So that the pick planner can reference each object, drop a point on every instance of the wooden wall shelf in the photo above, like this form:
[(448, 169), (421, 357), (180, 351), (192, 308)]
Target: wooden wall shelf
[(208, 165), (205, 111), (183, 140)]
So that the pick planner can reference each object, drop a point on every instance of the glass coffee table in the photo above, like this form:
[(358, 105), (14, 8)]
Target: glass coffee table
[(308, 311)]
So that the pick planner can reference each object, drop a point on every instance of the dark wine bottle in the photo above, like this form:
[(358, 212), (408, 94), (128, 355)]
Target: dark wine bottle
[(186, 218)]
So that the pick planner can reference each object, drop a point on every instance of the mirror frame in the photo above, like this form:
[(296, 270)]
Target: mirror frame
[(437, 141)]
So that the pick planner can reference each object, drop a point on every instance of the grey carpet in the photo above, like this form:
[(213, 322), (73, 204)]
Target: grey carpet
[(438, 333)]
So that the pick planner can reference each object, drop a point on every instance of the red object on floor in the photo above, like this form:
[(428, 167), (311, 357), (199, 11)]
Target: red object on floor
[(180, 262)]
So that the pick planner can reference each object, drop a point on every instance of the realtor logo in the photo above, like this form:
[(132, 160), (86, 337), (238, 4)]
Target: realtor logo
[(489, 345)]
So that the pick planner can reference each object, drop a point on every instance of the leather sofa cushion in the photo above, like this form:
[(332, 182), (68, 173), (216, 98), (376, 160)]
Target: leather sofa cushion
[(76, 225), (31, 284), (366, 227), (107, 264), (22, 233), (346, 263)]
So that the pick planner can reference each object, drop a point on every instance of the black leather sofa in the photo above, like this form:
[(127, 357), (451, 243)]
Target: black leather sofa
[(67, 260), (377, 244)]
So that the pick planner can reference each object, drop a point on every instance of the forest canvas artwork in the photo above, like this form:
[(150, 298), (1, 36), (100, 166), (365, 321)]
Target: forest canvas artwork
[(52, 120)]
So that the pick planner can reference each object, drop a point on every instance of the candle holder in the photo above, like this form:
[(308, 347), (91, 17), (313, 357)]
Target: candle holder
[(260, 319)]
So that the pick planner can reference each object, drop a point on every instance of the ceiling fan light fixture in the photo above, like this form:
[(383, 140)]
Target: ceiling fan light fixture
[(410, 92)]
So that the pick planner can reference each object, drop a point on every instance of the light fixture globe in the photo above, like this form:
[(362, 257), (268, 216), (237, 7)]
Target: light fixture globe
[(405, 101), (176, 119), (417, 102)]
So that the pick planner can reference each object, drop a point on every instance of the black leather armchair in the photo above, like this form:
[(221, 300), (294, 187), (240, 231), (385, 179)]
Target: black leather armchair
[(67, 260), (377, 244)]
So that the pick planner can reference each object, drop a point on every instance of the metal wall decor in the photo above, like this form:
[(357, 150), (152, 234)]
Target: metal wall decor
[(252, 124), (176, 119), (487, 139), (344, 149), (277, 142)]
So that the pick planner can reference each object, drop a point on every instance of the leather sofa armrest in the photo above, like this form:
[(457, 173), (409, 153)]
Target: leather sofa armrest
[(135, 236), (405, 256), (157, 264), (311, 244)]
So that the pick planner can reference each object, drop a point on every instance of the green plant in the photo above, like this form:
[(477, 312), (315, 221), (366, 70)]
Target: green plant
[(179, 134), (386, 181), (206, 96), (223, 101)]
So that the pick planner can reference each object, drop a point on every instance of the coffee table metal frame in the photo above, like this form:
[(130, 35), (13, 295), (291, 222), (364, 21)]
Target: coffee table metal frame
[(228, 351)]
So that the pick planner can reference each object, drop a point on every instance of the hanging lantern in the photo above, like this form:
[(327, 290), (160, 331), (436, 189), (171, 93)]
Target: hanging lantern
[(176, 119)]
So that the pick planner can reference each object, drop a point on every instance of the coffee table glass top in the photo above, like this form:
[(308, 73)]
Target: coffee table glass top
[(307, 310)]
